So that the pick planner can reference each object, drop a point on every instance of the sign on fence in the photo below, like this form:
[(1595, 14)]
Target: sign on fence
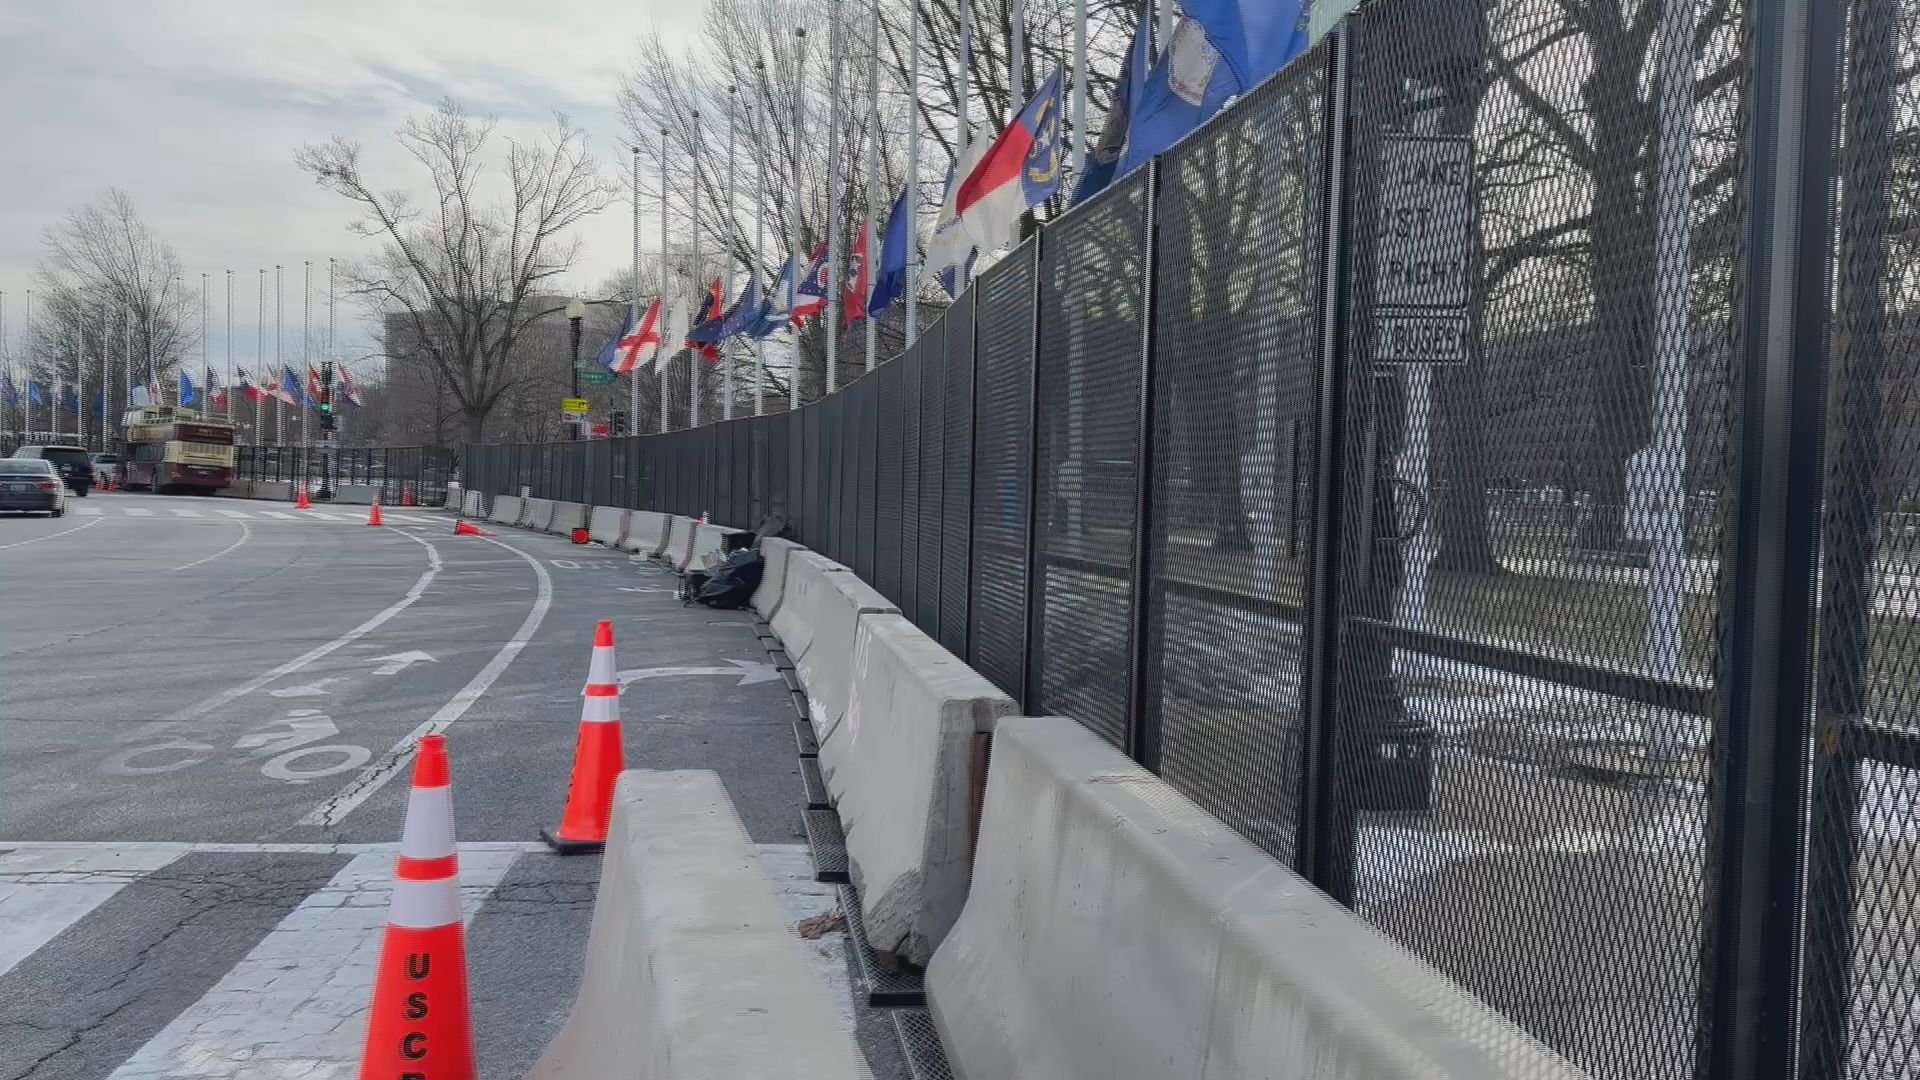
[(574, 408), (1423, 250)]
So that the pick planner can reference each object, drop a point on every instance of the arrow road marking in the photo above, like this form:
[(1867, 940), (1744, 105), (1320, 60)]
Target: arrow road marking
[(316, 688), (750, 672), (399, 662)]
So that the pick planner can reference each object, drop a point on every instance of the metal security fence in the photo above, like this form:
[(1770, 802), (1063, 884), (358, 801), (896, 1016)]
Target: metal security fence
[(1479, 467), (421, 472)]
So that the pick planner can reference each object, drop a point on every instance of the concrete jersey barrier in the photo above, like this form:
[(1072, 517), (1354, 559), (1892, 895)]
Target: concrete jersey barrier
[(473, 504), (692, 971), (823, 608), (900, 770), (1116, 930), (676, 538), (708, 542), (647, 532), (536, 514), (279, 490), (505, 510), (607, 525), (566, 517), (774, 553)]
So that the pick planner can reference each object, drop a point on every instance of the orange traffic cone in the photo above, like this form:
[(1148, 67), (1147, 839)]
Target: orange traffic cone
[(301, 503), (406, 495), (373, 513), (464, 528), (420, 1023), (598, 756)]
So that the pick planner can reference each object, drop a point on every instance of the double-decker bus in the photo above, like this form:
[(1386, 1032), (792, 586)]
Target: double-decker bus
[(171, 449)]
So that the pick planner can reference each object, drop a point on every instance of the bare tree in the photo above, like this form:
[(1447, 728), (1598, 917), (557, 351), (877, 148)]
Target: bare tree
[(109, 287), (468, 274)]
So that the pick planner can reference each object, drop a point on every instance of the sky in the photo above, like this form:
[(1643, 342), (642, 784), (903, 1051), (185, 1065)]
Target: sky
[(195, 109)]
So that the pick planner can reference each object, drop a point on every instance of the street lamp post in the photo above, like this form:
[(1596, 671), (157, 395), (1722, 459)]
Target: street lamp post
[(576, 311)]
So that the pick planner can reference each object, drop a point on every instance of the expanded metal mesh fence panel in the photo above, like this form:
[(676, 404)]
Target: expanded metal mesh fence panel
[(889, 429), (908, 399), (957, 471), (743, 497), (1237, 343), (1091, 364), (1003, 467), (1535, 474), (928, 382), (863, 398), (1862, 951)]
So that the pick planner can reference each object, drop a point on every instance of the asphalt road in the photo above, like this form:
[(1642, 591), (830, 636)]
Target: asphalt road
[(205, 706)]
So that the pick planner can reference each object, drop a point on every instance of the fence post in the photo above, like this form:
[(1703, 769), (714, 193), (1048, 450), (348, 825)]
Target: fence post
[(1324, 854), (1756, 831), (1143, 738), (1036, 603)]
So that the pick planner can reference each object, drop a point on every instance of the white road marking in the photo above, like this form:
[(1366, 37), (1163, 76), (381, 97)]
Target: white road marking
[(235, 693), (399, 662), (245, 533), (234, 514), (45, 890), (84, 511), (138, 511), (388, 765), (296, 1004), (52, 535), (276, 515), (178, 512)]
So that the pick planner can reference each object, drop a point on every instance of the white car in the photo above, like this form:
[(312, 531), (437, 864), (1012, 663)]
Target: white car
[(106, 470)]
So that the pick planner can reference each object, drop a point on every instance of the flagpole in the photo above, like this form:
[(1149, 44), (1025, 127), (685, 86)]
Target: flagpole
[(229, 338), (700, 285), (106, 377), (1080, 90), (873, 171), (633, 309), (331, 438), (834, 241), (1017, 60), (759, 224), (664, 351), (799, 245), (961, 272), (279, 352), (259, 354), (726, 364), (28, 389), (306, 358), (913, 176), (126, 352)]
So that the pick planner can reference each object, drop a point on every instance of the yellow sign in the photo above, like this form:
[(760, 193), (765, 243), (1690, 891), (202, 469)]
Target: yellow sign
[(575, 405)]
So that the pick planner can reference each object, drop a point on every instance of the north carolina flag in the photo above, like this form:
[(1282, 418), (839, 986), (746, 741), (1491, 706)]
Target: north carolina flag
[(1021, 168), (810, 298), (853, 303), (622, 352)]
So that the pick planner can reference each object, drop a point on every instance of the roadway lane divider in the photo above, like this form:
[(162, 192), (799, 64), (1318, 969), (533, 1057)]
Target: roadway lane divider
[(692, 970), (598, 755), (421, 1023)]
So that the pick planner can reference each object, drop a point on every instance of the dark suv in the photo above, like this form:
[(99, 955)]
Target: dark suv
[(71, 462)]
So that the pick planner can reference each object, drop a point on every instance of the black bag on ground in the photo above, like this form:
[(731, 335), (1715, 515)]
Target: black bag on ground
[(729, 585)]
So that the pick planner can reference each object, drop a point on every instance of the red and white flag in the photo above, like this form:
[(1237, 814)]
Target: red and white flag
[(853, 303), (637, 341)]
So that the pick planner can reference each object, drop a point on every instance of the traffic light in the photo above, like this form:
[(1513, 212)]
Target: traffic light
[(617, 423), (326, 395)]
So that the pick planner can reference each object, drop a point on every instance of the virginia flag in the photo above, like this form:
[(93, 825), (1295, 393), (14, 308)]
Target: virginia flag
[(1219, 48), (811, 297), (1103, 160), (778, 311), (1020, 168), (891, 283), (853, 302)]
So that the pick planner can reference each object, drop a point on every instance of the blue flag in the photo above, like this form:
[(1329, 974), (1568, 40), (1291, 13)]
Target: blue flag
[(71, 402), (1220, 48), (9, 396), (892, 281), (100, 403), (1103, 159), (187, 396), (34, 397), (748, 309), (777, 314)]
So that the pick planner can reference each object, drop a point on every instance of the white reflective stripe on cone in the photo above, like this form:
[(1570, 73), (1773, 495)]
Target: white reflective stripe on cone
[(600, 710), (429, 829), (425, 905), (603, 670)]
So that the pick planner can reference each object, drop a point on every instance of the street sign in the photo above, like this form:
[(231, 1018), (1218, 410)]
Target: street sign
[(598, 377), (574, 408), (600, 431), (1423, 250)]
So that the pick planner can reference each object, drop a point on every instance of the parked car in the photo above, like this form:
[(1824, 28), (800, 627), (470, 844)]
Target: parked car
[(31, 485), (106, 469), (70, 461)]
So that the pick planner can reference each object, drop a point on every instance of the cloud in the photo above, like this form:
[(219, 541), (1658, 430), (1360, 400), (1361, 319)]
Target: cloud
[(195, 107)]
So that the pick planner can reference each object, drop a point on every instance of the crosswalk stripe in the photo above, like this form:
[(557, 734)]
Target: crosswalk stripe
[(296, 1005), (44, 892), (412, 519), (235, 514), (85, 511), (276, 514), (177, 512), (136, 511)]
